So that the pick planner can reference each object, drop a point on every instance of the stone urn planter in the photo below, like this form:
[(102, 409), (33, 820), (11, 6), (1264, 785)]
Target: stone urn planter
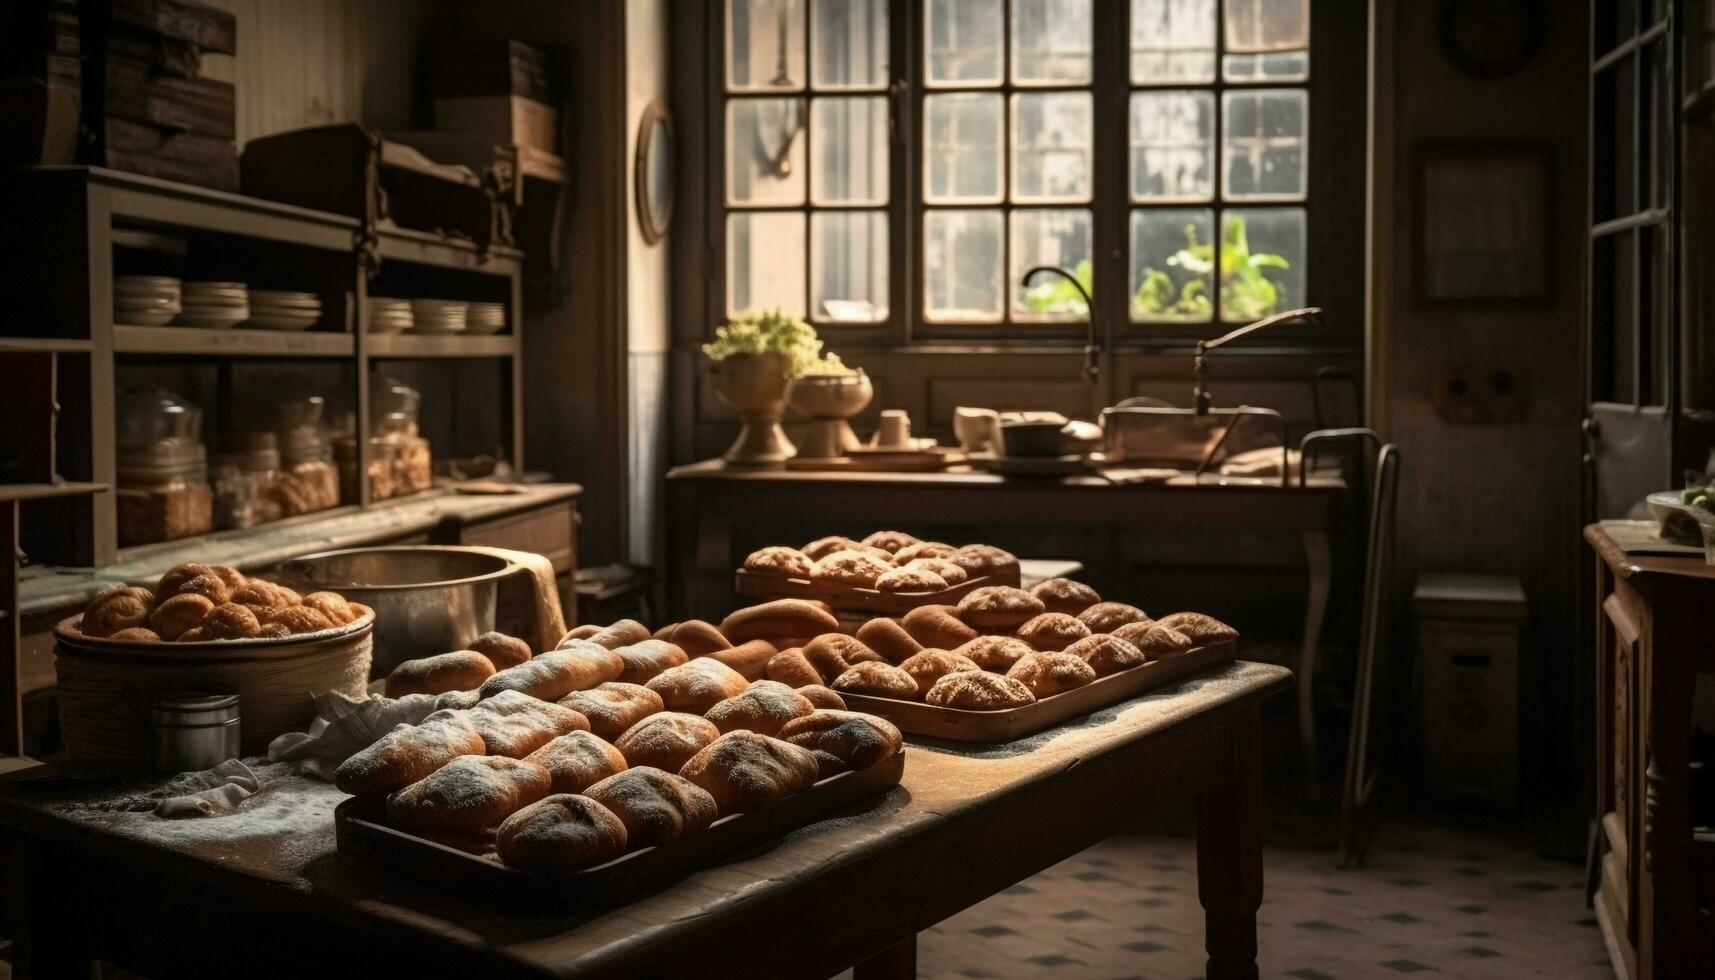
[(755, 386), (830, 401)]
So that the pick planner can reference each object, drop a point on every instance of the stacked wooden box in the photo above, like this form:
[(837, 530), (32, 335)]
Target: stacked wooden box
[(160, 117), (40, 77), (505, 90)]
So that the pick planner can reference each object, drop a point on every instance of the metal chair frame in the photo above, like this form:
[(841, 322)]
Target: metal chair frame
[(1362, 771)]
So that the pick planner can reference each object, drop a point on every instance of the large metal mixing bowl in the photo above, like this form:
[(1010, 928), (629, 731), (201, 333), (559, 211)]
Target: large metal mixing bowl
[(427, 600)]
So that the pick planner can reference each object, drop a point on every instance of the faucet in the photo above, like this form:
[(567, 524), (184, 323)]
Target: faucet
[(1201, 400), (1092, 350)]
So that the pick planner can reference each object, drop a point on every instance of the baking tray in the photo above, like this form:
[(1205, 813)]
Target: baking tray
[(361, 834), (760, 586), (960, 725)]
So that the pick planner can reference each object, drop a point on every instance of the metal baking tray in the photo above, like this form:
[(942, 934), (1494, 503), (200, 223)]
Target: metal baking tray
[(960, 725), (361, 834)]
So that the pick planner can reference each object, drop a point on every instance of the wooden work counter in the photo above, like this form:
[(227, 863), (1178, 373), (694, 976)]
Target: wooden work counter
[(964, 824)]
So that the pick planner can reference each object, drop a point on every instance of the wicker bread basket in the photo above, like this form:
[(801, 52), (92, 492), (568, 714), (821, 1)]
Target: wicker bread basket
[(106, 686)]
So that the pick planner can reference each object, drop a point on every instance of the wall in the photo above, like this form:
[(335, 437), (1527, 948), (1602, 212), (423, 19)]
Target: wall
[(646, 273), (315, 62), (1500, 498)]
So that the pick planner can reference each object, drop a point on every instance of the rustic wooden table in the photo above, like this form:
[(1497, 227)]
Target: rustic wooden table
[(965, 823)]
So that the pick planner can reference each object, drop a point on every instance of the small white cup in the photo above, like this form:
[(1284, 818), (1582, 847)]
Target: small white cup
[(895, 429)]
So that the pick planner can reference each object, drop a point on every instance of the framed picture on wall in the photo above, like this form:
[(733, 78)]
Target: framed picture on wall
[(1484, 225)]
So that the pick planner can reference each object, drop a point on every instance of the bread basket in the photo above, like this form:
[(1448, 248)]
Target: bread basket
[(106, 686)]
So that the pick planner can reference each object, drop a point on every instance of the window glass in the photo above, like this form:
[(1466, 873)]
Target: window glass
[(962, 256), (1267, 40), (1172, 270), (1172, 41), (1262, 262), (1052, 146), (1058, 238), (1172, 145), (848, 151), (848, 266), (964, 43), (1263, 137), (1051, 42), (848, 43), (764, 45), (962, 148), (765, 151), (765, 261)]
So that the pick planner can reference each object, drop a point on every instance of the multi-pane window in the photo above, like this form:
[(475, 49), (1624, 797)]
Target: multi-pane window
[(807, 148), (1008, 151), (1219, 138)]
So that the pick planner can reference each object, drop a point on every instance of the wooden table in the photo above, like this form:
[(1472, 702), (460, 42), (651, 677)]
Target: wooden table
[(710, 504), (964, 824), (1655, 631)]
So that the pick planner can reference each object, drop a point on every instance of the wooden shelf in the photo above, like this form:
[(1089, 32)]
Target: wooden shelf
[(231, 343), (406, 245), (45, 345), (420, 345), (45, 491)]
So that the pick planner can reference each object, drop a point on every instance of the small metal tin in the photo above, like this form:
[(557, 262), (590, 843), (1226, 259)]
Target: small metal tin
[(194, 730)]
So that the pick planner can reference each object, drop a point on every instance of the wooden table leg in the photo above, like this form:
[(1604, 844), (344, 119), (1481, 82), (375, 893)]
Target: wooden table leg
[(896, 962), (1319, 572), (1229, 852)]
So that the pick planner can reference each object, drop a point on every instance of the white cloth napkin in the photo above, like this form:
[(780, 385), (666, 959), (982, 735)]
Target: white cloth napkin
[(233, 783), (344, 725)]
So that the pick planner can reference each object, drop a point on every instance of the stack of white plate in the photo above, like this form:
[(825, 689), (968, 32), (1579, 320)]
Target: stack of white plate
[(485, 318), (439, 316), (278, 309), (215, 305), (145, 300), (389, 315)]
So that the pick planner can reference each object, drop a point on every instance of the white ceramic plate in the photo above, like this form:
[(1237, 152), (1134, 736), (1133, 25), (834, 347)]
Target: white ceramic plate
[(274, 321), (144, 318)]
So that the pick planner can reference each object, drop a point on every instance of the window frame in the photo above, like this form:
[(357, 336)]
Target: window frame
[(1335, 199)]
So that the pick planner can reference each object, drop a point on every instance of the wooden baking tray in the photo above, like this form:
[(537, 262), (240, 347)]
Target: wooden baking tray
[(361, 834), (960, 725), (861, 600)]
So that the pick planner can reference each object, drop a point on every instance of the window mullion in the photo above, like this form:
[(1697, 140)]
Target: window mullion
[(1111, 135), (1217, 203)]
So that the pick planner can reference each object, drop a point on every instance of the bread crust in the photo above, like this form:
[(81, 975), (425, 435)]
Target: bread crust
[(997, 653), (979, 690), (577, 760), (562, 832), (656, 806), (557, 673), (910, 579), (468, 794), (1107, 654), (501, 650), (1105, 617), (886, 637), (406, 754), (780, 620), (877, 679), (780, 561), (1154, 638), (763, 707), (931, 665), (1199, 627), (665, 740), (647, 658), (697, 685), (792, 668), (744, 771), (696, 637), (1052, 631), (750, 658), (460, 670), (998, 608), (850, 568), (611, 708), (937, 627), (514, 724), (857, 740), (1051, 673), (832, 654)]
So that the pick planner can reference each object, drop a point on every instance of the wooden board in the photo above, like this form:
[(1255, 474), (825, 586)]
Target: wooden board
[(860, 600), (362, 834), (1003, 726)]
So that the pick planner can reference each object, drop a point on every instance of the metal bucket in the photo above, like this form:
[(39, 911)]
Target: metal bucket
[(427, 600)]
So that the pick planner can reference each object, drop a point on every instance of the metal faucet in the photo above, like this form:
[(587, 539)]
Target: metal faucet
[(1200, 397), (1092, 350)]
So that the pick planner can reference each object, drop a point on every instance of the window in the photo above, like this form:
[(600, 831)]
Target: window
[(909, 175)]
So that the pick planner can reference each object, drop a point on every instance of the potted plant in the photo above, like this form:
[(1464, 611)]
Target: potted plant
[(830, 393), (756, 355)]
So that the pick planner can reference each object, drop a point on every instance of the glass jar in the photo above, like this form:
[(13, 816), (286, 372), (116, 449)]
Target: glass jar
[(247, 483), (161, 482), (308, 479)]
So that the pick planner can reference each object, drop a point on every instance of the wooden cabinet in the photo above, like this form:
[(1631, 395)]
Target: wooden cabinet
[(1655, 632)]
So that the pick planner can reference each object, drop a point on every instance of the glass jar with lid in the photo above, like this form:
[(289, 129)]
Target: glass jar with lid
[(308, 480), (161, 480), (247, 482), (399, 459)]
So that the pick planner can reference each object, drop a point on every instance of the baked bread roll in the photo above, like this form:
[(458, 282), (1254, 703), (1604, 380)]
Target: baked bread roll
[(910, 579), (822, 697), (233, 578), (1053, 631), (136, 634), (931, 665), (1105, 617), (231, 621), (557, 673), (1107, 654), (577, 760), (1048, 674), (264, 597), (1154, 638), (583, 632), (405, 755), (656, 806), (333, 605), (623, 633), (1200, 628), (762, 707), (1063, 595), (695, 637), (457, 700), (850, 569), (612, 707), (515, 724), (298, 619), (749, 659), (823, 547), (889, 541), (998, 608), (744, 770), (120, 608), (174, 579), (877, 679), (648, 658), (832, 654), (468, 794), (780, 621), (460, 670), (170, 619), (996, 653), (195, 633), (923, 549), (949, 572), (792, 668), (856, 740), (560, 833), (666, 740), (272, 631), (978, 690), (697, 686), (780, 561), (501, 650), (982, 559), (888, 638), (936, 627)]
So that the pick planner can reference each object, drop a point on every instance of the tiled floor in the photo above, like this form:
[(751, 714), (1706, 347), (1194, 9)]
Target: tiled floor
[(1430, 899)]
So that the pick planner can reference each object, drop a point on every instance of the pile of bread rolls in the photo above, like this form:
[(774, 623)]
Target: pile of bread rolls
[(198, 603), (887, 561), (614, 741)]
